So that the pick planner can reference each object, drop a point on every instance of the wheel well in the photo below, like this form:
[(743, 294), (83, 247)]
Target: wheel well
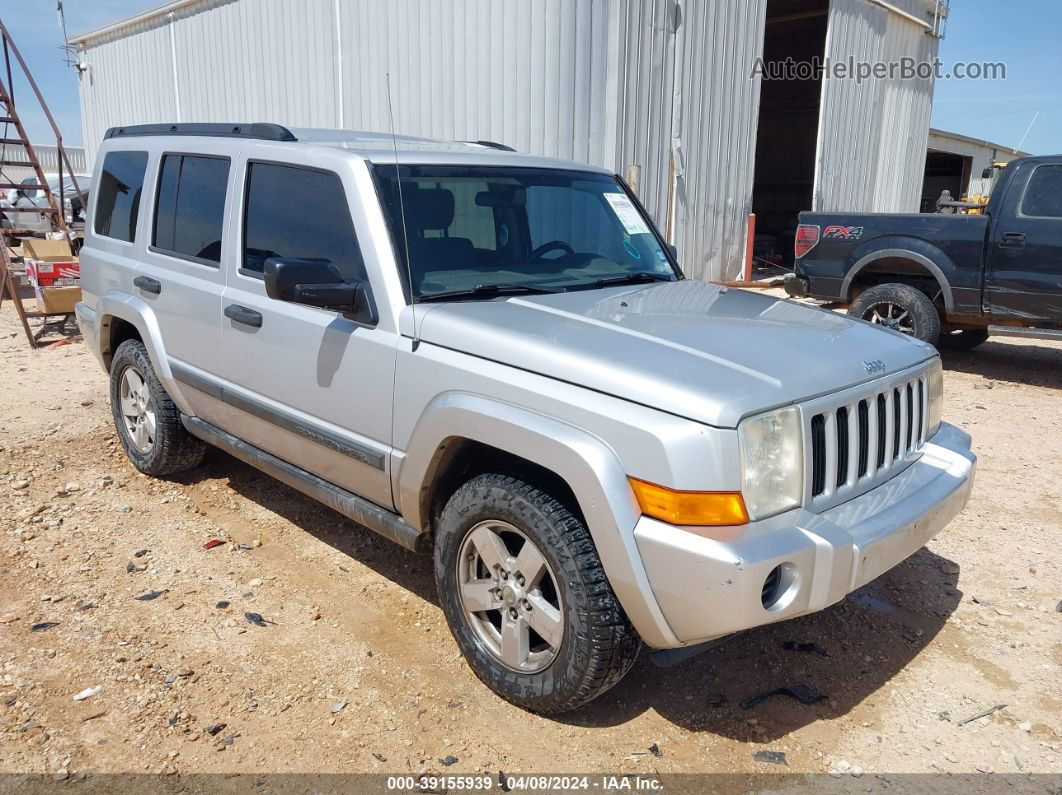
[(458, 460), (888, 270), (115, 331)]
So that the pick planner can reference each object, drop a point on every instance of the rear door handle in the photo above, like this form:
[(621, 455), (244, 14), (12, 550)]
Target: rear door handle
[(1013, 239), (148, 285), (242, 314)]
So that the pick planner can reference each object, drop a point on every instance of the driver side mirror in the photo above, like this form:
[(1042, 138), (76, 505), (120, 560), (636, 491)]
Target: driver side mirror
[(315, 282), (673, 249), (986, 174)]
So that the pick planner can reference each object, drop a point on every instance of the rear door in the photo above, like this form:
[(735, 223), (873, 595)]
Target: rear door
[(303, 383), (1025, 268), (180, 273)]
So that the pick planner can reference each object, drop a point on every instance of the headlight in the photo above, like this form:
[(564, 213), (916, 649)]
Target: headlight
[(772, 462), (935, 387)]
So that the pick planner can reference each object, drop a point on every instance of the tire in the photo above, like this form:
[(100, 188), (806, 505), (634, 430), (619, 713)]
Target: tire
[(900, 307), (170, 449), (587, 645), (962, 339)]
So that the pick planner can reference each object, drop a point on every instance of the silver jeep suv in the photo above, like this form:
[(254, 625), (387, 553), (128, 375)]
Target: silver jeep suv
[(496, 358)]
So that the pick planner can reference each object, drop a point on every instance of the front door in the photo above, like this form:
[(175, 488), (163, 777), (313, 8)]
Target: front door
[(1025, 268), (303, 383)]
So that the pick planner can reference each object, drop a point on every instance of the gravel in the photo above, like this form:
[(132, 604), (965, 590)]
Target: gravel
[(355, 619)]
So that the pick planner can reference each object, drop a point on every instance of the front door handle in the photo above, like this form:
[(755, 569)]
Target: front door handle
[(148, 285), (1013, 239), (242, 314)]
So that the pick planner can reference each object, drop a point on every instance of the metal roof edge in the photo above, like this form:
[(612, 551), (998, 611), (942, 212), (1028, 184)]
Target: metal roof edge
[(143, 16), (978, 141)]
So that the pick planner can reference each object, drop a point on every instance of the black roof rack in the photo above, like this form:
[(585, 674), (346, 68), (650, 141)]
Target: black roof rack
[(493, 145), (264, 131)]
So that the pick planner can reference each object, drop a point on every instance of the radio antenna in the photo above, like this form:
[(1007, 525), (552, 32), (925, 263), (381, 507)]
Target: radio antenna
[(402, 212)]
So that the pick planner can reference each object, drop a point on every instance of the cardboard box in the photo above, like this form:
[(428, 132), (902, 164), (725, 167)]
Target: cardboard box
[(45, 273), (48, 250), (50, 263), (57, 300)]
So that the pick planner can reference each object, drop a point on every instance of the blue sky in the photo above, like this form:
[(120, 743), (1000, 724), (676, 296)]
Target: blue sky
[(979, 30), (1025, 36)]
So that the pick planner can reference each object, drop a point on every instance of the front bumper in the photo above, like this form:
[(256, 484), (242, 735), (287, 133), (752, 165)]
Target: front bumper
[(708, 587)]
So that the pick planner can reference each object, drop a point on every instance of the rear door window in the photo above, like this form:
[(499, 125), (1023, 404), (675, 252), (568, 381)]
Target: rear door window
[(298, 213), (118, 196), (190, 206), (1043, 196)]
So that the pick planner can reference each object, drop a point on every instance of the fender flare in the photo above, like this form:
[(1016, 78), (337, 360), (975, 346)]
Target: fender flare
[(901, 253), (589, 466), (139, 313)]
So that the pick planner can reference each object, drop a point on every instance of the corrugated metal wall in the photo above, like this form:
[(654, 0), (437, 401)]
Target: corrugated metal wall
[(716, 146), (47, 155), (588, 80), (129, 80), (530, 74), (872, 136)]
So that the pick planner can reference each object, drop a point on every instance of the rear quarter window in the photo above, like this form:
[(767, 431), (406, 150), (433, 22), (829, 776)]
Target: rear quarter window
[(118, 194)]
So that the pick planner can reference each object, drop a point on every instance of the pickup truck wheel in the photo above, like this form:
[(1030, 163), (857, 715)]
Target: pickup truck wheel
[(965, 339), (149, 424), (900, 307), (526, 597)]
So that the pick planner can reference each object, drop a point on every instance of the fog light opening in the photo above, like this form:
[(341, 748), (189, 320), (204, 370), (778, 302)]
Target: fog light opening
[(779, 587)]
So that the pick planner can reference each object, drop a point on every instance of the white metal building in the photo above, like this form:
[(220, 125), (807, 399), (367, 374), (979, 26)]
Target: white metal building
[(956, 163), (667, 86)]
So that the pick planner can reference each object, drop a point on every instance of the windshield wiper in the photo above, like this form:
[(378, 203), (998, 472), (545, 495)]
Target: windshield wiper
[(634, 278), (490, 291)]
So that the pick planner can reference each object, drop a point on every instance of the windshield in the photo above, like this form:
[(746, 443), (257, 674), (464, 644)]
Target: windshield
[(475, 228)]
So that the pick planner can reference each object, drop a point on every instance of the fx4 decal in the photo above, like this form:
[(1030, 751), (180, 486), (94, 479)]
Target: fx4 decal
[(843, 232)]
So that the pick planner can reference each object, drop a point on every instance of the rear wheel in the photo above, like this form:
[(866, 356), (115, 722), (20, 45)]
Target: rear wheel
[(148, 423), (526, 597), (965, 339), (899, 307)]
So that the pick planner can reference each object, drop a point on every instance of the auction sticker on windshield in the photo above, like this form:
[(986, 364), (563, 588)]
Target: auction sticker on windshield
[(627, 213)]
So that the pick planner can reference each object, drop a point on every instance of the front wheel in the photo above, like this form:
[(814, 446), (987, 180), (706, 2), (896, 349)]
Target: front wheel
[(899, 307), (526, 597)]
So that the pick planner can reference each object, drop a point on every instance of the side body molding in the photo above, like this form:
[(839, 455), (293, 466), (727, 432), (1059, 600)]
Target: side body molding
[(584, 461)]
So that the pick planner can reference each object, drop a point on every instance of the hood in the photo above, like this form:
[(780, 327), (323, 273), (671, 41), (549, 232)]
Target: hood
[(700, 351)]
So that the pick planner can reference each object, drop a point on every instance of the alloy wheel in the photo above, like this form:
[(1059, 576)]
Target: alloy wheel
[(510, 598), (138, 410), (892, 316)]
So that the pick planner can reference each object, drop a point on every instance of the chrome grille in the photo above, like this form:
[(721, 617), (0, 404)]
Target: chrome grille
[(862, 437)]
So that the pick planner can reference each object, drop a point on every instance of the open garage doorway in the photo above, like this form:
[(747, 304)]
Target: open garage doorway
[(944, 171), (787, 136)]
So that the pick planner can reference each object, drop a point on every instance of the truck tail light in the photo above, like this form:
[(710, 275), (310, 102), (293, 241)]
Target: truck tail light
[(807, 237)]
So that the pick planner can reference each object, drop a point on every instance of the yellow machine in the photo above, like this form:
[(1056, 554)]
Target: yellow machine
[(991, 174)]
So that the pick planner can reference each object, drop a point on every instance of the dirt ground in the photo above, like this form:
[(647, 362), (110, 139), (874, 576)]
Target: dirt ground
[(355, 670)]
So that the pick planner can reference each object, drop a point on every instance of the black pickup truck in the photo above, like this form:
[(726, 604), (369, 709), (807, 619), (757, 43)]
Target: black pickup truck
[(948, 279)]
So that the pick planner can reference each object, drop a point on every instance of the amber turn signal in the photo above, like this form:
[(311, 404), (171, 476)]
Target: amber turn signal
[(690, 507)]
